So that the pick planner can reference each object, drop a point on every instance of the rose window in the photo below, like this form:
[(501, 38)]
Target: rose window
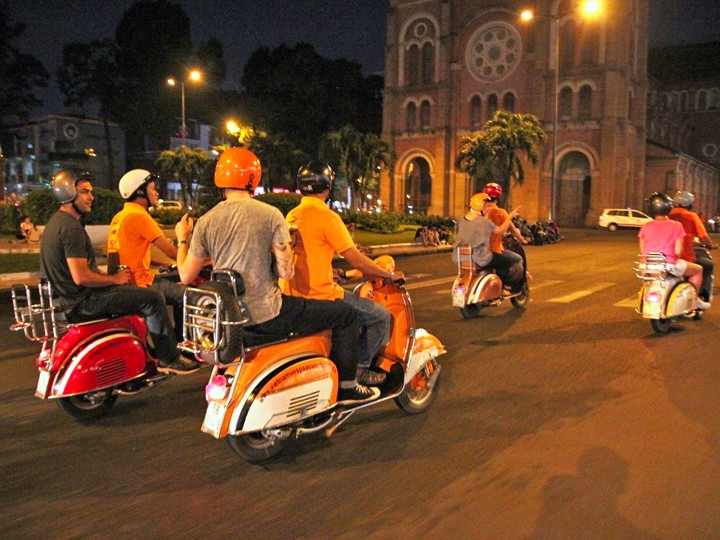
[(493, 52)]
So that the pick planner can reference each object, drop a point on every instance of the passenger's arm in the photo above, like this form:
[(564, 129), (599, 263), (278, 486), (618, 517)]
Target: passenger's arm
[(83, 275), (166, 246), (500, 229), (189, 265), (283, 260), (679, 247), (364, 263)]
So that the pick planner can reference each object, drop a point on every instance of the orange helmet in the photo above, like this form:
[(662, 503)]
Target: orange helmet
[(238, 168), (477, 201), (386, 262)]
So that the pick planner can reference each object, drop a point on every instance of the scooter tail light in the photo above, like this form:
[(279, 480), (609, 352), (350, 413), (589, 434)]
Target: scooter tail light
[(217, 388), (460, 288), (653, 296)]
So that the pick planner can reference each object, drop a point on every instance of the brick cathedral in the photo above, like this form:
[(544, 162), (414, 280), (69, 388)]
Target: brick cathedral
[(450, 64)]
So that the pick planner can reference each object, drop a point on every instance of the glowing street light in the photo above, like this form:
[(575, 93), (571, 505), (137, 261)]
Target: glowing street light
[(194, 75), (589, 8)]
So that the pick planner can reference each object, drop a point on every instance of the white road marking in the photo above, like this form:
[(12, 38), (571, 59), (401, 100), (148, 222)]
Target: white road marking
[(542, 284), (566, 299), (631, 302), (430, 283)]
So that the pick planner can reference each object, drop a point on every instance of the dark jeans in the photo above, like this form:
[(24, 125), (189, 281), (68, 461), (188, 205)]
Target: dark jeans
[(511, 264), (173, 293), (131, 300), (375, 325), (306, 317), (704, 259)]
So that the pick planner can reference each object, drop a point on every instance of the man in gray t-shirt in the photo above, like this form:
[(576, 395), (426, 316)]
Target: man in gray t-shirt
[(251, 238)]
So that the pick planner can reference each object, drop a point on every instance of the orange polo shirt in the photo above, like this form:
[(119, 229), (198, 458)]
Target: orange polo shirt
[(132, 231), (320, 234), (498, 216), (693, 226)]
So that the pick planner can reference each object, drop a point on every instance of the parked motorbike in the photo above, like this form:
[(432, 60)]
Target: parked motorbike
[(664, 297), (84, 367), (475, 288), (265, 391)]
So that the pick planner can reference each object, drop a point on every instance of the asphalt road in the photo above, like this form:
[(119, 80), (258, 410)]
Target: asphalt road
[(569, 419)]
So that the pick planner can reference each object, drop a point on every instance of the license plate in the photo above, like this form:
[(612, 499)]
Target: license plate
[(42, 384), (214, 418), (458, 299)]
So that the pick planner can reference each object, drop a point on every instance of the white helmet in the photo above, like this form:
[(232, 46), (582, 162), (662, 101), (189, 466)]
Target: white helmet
[(134, 180), (684, 199)]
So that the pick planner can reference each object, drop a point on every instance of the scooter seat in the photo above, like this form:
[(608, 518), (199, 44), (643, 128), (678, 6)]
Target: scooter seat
[(256, 339)]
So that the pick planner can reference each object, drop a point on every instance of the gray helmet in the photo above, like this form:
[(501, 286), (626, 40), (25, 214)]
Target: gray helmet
[(685, 199), (315, 178), (658, 204), (64, 184)]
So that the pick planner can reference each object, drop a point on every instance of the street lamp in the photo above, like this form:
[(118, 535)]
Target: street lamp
[(193, 76), (589, 8)]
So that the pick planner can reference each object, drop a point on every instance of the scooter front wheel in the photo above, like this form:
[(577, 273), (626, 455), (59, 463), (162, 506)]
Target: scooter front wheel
[(521, 300), (418, 394), (661, 326), (261, 445), (90, 405)]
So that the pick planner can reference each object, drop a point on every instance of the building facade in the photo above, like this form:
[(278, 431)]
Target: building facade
[(450, 64)]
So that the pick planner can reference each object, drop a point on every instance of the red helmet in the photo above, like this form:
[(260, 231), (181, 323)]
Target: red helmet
[(238, 168), (493, 190)]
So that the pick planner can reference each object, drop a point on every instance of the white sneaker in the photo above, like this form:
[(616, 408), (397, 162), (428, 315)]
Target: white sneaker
[(702, 304)]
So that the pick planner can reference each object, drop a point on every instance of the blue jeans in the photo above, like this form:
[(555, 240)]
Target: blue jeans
[(374, 321), (173, 293), (131, 300)]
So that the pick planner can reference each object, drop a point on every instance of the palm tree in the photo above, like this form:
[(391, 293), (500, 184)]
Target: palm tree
[(359, 157), (494, 153), (185, 166)]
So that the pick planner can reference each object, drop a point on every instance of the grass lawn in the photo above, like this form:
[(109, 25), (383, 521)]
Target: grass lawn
[(366, 238), (19, 262)]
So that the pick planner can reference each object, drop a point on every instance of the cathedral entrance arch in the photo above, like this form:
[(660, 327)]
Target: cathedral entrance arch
[(574, 188), (418, 186)]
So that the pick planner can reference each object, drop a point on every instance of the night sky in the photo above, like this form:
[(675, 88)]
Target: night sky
[(352, 29)]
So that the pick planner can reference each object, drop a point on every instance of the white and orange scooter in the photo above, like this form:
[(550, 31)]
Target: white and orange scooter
[(264, 392)]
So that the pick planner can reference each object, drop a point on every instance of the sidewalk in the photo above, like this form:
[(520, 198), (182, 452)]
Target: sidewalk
[(31, 278)]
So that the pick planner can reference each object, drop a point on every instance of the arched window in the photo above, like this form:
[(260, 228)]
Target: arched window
[(509, 102), (475, 112), (713, 99), (701, 101), (588, 45), (585, 99), (411, 117), (427, 64), (674, 101), (492, 105), (565, 103), (684, 101), (425, 115), (568, 40), (413, 65)]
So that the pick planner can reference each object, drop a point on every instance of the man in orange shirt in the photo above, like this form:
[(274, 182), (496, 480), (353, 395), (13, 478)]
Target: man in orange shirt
[(133, 231), (320, 235), (694, 228), (498, 216)]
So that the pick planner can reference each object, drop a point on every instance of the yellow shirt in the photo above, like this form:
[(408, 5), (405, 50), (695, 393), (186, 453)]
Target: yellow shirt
[(132, 231), (497, 216), (320, 234)]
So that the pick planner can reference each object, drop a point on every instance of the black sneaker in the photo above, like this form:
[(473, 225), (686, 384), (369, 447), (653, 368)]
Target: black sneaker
[(368, 377), (356, 395), (179, 366)]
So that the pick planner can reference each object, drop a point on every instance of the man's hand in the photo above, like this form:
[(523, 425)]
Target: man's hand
[(184, 228), (123, 277)]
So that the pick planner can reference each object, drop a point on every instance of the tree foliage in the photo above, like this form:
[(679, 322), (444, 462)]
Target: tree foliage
[(40, 205), (187, 166), (359, 157), (495, 152), (20, 74)]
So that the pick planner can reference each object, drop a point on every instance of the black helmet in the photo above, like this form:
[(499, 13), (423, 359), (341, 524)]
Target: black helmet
[(658, 204), (315, 178), (64, 184)]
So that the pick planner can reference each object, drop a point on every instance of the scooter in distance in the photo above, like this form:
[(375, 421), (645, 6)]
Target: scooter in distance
[(266, 391), (84, 367), (475, 288), (664, 297)]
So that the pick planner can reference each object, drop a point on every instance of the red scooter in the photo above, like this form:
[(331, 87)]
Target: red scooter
[(84, 366)]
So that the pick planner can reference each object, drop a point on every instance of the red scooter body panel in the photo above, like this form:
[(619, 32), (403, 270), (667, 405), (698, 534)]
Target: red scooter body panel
[(93, 356)]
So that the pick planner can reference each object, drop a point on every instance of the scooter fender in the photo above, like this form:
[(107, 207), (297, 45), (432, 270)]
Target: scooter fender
[(425, 348), (652, 299), (295, 392), (101, 363), (485, 288), (681, 300)]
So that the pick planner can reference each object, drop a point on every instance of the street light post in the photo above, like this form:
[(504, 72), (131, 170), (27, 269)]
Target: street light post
[(194, 75)]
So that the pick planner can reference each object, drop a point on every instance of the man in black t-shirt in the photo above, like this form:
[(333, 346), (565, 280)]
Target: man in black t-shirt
[(67, 260)]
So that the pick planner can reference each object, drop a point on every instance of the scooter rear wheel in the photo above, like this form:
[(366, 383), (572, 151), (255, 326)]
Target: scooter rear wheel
[(418, 395), (471, 311), (90, 405), (661, 326), (260, 446)]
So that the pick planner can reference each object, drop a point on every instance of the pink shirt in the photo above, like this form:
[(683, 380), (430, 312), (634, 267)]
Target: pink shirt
[(661, 235)]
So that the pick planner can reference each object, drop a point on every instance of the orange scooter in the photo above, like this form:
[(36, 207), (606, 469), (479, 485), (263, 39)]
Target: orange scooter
[(266, 391)]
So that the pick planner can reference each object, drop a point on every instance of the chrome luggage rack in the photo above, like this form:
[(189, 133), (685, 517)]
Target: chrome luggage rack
[(651, 266), (202, 323), (40, 321)]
